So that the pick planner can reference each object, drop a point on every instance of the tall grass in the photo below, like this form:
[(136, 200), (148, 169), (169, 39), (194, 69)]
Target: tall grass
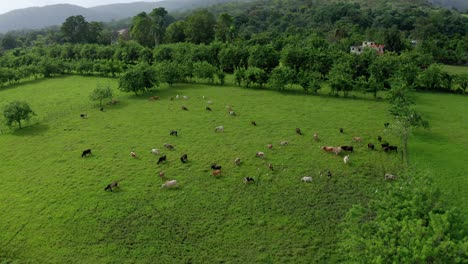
[(54, 207)]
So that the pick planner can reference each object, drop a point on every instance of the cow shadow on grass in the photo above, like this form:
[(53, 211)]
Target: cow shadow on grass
[(31, 130)]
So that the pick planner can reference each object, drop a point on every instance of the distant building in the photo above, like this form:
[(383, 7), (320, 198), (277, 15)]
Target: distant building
[(368, 44), (123, 32)]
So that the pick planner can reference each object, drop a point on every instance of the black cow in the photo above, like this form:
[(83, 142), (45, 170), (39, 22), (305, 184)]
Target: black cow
[(253, 123), (173, 133), (215, 167), (379, 138), (84, 116), (341, 130), (86, 153), (112, 186), (298, 131), (161, 159), (208, 108), (102, 109), (347, 148), (384, 145), (329, 174), (184, 158), (248, 180), (386, 125), (391, 148), (370, 146), (184, 108)]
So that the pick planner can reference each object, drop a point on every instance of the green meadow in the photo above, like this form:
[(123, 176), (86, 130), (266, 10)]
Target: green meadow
[(54, 208), (452, 69)]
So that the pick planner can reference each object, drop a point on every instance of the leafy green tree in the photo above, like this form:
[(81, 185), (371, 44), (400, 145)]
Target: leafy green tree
[(204, 70), (223, 27), (232, 57), (199, 27), (175, 32), (239, 75), (431, 78), (168, 71), (407, 222), (141, 30), (462, 81), (309, 81), (340, 77), (254, 75), (393, 40), (75, 29), (264, 57), (406, 117), (280, 77), (139, 78), (16, 111), (159, 24), (100, 94)]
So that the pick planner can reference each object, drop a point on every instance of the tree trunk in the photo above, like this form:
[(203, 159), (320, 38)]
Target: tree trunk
[(19, 124)]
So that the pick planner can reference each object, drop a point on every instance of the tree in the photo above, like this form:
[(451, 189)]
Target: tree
[(141, 30), (158, 17), (223, 27), (204, 70), (199, 27), (340, 77), (16, 111), (431, 78), (462, 80), (140, 78), (280, 77), (405, 222), (406, 117), (175, 32), (75, 29), (168, 71), (101, 93)]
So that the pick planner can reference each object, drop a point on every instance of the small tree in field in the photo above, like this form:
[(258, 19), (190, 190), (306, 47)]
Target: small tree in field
[(17, 111), (406, 117), (100, 94), (142, 77)]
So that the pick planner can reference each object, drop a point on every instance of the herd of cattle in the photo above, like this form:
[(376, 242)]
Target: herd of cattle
[(216, 169)]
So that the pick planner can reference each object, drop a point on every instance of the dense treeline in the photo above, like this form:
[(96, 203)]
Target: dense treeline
[(288, 62)]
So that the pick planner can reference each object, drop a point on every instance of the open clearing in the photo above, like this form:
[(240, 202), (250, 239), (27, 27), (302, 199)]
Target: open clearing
[(54, 208)]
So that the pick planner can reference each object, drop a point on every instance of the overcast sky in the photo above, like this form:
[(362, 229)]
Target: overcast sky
[(8, 5)]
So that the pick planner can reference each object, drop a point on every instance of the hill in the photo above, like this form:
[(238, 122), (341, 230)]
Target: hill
[(40, 17), (461, 5)]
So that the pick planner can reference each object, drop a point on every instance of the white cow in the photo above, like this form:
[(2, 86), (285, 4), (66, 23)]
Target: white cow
[(306, 179), (155, 151), (284, 143), (219, 129), (390, 177), (232, 113), (177, 97), (169, 184), (237, 161), (209, 102), (185, 97), (346, 159)]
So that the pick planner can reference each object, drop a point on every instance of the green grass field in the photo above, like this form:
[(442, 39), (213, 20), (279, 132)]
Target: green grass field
[(54, 208), (455, 69)]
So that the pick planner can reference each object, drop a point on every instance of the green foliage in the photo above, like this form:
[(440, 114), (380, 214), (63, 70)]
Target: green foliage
[(406, 222), (76, 29), (309, 81), (159, 24), (16, 111), (254, 75), (199, 27), (204, 70), (101, 93), (168, 72), (264, 57), (280, 77), (431, 78), (139, 78), (141, 30), (175, 32), (462, 81), (340, 76)]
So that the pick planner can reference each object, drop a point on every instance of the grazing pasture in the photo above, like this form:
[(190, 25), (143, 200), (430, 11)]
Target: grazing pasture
[(54, 207)]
